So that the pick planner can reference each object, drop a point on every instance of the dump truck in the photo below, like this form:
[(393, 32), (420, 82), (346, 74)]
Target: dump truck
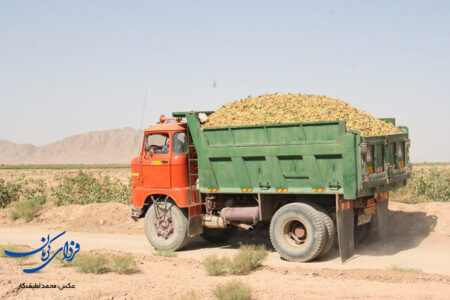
[(317, 184)]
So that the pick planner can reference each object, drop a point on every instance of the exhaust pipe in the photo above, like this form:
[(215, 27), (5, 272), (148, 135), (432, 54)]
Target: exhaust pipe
[(236, 216), (241, 214), (244, 226), (211, 221)]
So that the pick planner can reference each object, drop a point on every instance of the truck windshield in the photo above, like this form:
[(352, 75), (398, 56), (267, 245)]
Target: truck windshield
[(157, 143), (179, 143)]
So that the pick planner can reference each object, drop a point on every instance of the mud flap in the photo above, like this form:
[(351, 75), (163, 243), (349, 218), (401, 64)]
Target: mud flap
[(382, 219), (345, 219), (195, 226)]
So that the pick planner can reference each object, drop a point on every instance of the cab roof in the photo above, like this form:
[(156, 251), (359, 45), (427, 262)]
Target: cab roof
[(167, 126)]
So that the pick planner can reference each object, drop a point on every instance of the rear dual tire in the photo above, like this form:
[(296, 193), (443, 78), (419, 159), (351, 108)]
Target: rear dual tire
[(330, 227), (298, 232)]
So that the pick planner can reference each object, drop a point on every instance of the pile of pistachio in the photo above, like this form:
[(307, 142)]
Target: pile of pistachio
[(297, 108)]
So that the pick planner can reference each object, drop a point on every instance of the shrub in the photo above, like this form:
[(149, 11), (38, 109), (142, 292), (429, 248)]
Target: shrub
[(98, 264), (249, 258), (26, 210), (246, 260), (426, 184), (217, 266), (9, 192), (34, 195), (407, 270), (13, 248), (27, 195), (233, 290), (64, 263), (164, 253), (123, 264), (86, 263), (432, 183), (85, 188), (34, 189)]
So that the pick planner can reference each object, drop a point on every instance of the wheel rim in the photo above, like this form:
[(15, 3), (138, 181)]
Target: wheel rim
[(295, 232), (163, 225)]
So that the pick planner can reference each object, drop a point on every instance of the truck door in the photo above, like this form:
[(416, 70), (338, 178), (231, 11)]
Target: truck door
[(155, 163), (179, 160)]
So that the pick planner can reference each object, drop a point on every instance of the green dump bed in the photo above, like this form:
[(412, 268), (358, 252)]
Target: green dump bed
[(302, 158)]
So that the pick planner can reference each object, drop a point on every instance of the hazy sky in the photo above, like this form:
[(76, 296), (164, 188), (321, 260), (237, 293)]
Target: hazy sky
[(69, 67)]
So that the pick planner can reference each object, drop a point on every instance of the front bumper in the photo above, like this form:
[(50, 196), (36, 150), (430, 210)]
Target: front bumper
[(136, 213)]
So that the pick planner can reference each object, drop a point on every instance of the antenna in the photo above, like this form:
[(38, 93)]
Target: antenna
[(142, 121)]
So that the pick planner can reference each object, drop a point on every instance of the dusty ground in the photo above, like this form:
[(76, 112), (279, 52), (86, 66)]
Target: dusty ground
[(172, 278), (420, 239)]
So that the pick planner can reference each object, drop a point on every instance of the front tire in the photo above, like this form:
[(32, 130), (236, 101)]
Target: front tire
[(297, 232), (170, 230)]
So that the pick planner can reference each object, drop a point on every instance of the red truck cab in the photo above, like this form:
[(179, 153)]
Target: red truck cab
[(161, 170)]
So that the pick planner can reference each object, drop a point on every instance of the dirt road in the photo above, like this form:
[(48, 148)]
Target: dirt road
[(172, 278), (420, 239), (430, 257)]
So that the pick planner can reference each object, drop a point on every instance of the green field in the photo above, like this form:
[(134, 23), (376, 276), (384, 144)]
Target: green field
[(56, 167), (432, 164), (124, 166)]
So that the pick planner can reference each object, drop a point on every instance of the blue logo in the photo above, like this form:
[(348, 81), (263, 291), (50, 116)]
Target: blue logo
[(68, 252)]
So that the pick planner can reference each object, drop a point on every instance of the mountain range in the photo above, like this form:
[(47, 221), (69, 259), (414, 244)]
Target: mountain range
[(98, 147)]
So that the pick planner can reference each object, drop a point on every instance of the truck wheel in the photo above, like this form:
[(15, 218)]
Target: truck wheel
[(331, 229), (297, 232), (218, 235), (166, 227)]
